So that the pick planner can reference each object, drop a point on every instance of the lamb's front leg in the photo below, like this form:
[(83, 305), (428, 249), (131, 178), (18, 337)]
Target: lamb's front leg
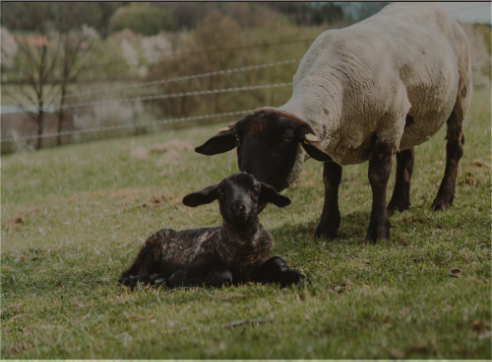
[(215, 278), (379, 171), (276, 270), (330, 218)]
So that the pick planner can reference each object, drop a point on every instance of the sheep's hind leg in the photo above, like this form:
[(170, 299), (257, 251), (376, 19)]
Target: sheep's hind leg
[(400, 201), (379, 171), (330, 217), (276, 270), (454, 151)]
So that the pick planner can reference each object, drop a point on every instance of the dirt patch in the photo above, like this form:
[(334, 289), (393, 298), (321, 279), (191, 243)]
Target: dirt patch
[(162, 199), (155, 201), (171, 145), (170, 150), (139, 152), (480, 164), (125, 196), (169, 158), (19, 219)]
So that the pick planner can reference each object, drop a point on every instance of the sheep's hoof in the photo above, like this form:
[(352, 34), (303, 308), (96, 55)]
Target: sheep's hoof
[(326, 231), (398, 206), (378, 231), (441, 204)]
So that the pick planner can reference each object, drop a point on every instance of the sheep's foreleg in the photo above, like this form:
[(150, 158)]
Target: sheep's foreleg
[(215, 278), (276, 270), (379, 171), (330, 217), (400, 201), (454, 151)]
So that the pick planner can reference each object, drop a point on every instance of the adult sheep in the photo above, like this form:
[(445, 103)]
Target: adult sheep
[(364, 93)]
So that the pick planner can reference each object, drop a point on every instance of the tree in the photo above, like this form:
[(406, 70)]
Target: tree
[(37, 64), (141, 19), (46, 62), (214, 32), (72, 44)]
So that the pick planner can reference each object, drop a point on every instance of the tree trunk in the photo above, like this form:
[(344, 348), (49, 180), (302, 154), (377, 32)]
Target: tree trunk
[(61, 114)]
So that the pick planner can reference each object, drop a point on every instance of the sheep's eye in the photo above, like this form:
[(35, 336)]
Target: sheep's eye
[(287, 139), (254, 191)]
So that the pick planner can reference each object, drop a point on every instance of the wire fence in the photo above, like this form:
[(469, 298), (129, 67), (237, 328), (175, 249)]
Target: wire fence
[(172, 95), (164, 96), (111, 128), (175, 79)]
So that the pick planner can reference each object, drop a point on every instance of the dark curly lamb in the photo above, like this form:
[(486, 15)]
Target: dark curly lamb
[(237, 251)]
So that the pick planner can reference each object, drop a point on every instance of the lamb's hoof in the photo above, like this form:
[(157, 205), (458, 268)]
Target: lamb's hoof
[(158, 279), (441, 204), (124, 281), (178, 279), (141, 279), (303, 282)]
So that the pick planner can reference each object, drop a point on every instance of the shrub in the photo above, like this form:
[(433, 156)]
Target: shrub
[(142, 19)]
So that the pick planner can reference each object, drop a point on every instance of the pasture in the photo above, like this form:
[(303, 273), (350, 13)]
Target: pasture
[(74, 217)]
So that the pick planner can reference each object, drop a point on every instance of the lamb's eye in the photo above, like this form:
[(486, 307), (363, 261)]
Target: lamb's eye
[(287, 139), (254, 191)]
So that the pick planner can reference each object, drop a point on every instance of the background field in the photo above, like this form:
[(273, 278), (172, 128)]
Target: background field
[(74, 217)]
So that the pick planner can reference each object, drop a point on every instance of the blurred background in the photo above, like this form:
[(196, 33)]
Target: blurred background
[(81, 71)]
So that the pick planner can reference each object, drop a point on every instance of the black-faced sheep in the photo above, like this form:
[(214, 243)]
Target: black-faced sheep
[(364, 93), (236, 252)]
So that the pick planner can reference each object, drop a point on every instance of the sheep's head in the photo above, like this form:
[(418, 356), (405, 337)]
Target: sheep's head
[(240, 197), (268, 146)]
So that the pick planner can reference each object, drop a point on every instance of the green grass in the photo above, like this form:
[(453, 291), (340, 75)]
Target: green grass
[(73, 220)]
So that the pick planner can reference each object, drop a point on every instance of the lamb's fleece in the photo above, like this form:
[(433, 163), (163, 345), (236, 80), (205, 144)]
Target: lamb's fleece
[(355, 86)]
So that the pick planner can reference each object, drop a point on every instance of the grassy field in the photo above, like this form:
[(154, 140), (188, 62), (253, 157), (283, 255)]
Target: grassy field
[(73, 218)]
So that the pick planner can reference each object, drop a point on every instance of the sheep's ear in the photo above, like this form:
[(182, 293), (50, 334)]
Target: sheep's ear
[(205, 196), (222, 142), (310, 143), (269, 194)]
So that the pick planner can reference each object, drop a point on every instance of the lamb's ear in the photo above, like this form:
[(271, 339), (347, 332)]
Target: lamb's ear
[(310, 142), (206, 196), (222, 142), (269, 194)]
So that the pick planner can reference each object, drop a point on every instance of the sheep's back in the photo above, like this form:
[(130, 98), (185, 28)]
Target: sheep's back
[(363, 80)]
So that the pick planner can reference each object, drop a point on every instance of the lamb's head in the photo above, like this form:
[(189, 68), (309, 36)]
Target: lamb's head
[(240, 196), (268, 146)]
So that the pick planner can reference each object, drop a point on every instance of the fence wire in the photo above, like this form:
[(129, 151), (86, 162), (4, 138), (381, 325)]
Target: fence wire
[(164, 96), (176, 79), (110, 128)]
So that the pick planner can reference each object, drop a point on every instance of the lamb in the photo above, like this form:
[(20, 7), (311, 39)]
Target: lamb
[(364, 93), (236, 252)]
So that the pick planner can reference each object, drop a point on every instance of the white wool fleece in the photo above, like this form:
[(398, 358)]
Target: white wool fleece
[(355, 86)]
